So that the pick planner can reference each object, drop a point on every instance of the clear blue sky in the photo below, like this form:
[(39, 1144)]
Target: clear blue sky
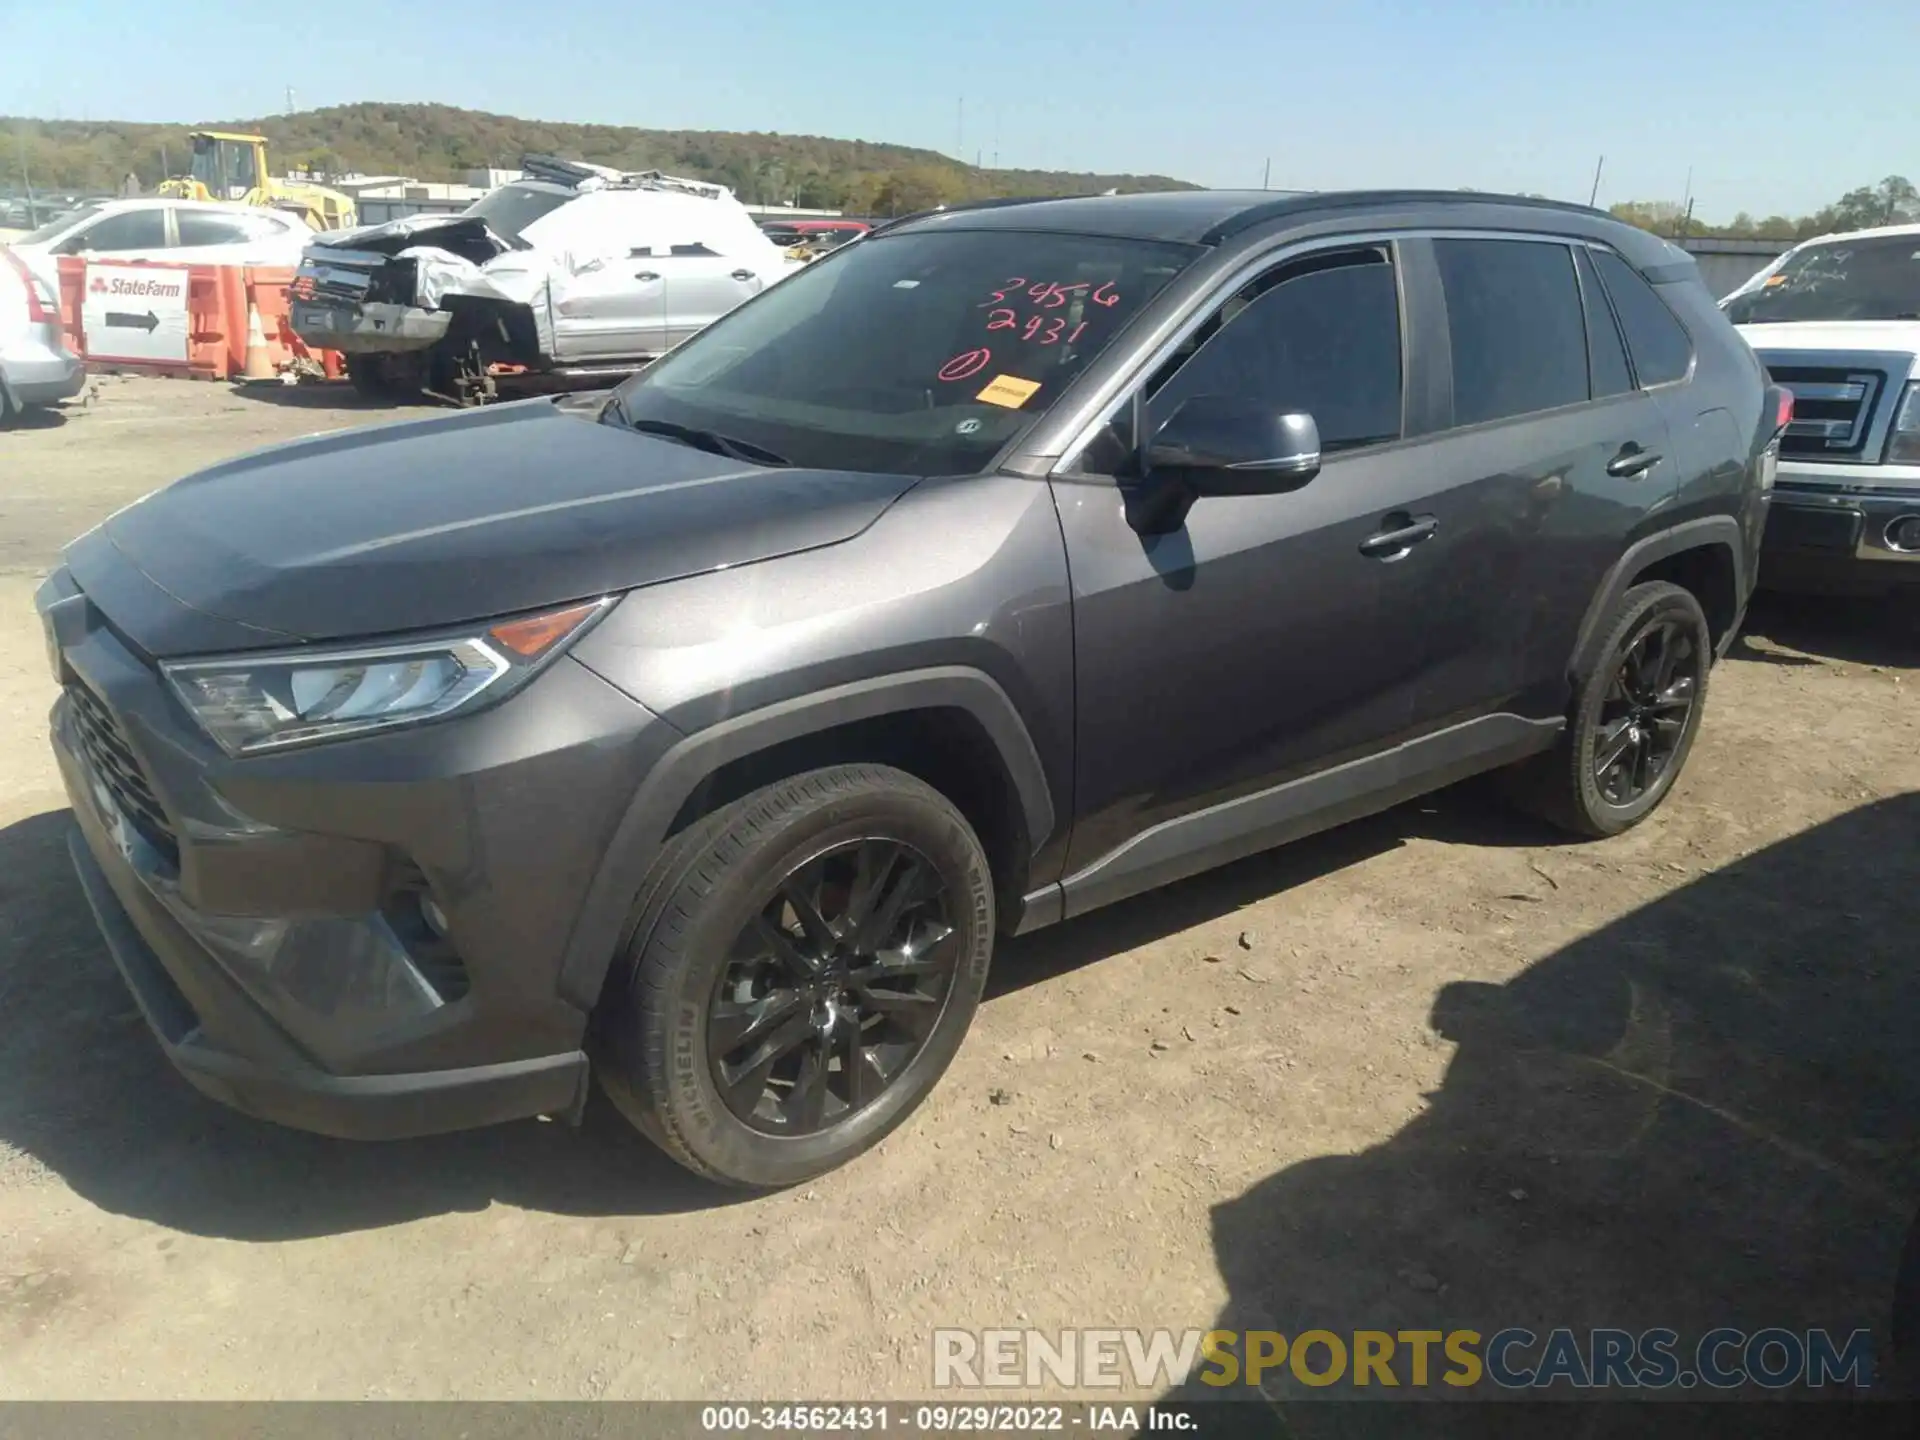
[(1777, 105)]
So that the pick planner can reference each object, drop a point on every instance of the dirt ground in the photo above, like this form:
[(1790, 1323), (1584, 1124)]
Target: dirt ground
[(1435, 1069)]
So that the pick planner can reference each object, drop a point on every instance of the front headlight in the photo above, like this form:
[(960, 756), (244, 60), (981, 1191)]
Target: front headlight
[(266, 701), (1903, 444)]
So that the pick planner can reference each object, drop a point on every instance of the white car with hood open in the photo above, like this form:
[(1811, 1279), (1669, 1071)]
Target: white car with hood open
[(571, 272)]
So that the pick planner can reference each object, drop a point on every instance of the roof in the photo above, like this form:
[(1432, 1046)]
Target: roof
[(1209, 217)]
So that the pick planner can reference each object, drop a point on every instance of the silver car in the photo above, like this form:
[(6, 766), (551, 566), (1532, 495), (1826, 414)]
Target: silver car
[(36, 368)]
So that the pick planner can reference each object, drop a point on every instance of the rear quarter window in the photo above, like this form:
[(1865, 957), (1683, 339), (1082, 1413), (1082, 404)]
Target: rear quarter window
[(1661, 348)]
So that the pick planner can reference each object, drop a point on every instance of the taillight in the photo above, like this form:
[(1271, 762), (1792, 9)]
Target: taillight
[(42, 307), (1785, 413)]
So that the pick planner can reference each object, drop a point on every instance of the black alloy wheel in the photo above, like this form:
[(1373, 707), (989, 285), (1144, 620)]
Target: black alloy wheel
[(1644, 715), (832, 988), (1636, 710), (804, 963)]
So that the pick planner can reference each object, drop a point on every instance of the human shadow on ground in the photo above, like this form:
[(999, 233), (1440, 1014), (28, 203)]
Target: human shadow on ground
[(1704, 1114)]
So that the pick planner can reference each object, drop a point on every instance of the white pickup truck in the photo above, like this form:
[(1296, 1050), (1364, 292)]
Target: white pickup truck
[(571, 272), (1836, 320)]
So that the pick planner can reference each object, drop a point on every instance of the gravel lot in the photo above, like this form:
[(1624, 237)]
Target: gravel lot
[(1431, 1070)]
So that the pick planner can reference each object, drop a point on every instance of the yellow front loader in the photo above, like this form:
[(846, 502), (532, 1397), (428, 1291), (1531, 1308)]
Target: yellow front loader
[(229, 166)]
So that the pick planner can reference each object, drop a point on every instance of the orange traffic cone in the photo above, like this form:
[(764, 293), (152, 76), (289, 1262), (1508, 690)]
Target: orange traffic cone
[(259, 365)]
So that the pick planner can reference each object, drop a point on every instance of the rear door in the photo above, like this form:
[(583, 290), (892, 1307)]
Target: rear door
[(701, 286), (1542, 455)]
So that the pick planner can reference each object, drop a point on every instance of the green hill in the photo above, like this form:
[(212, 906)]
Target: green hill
[(440, 142)]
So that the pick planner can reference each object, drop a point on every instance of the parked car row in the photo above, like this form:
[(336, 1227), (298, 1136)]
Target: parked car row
[(703, 736)]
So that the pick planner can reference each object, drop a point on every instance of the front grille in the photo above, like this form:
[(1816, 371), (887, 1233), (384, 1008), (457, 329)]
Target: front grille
[(1832, 410), (112, 760)]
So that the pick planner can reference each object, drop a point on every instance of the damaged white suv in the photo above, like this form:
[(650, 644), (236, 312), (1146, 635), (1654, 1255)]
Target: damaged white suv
[(572, 272)]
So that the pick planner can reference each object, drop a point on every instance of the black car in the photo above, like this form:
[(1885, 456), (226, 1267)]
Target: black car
[(1007, 562)]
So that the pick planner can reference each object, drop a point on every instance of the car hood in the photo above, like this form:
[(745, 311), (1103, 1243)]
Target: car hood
[(441, 521), (463, 235), (1881, 335)]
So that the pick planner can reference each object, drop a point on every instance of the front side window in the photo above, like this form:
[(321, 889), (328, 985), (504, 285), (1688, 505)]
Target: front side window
[(1319, 336), (1518, 337), (124, 230), (920, 353), (1659, 344), (1870, 279)]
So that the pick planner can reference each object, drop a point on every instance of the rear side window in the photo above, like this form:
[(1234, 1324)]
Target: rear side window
[(1659, 344), (1320, 336), (1518, 336), (198, 227), (1606, 356)]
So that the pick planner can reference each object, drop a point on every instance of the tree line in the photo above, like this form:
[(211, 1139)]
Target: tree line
[(1893, 201), (442, 142)]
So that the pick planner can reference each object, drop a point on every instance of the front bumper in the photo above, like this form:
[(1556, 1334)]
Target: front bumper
[(1829, 532), (371, 329), (266, 911)]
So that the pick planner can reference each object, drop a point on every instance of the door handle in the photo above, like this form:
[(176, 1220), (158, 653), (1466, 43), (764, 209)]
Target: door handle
[(647, 275), (1632, 462), (743, 275), (1405, 531)]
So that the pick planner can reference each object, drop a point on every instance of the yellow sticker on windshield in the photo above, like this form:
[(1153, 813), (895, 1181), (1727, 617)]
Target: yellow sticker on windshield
[(1773, 280), (1008, 390)]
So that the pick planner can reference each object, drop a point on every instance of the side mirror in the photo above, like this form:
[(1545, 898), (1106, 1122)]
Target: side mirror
[(1223, 445), (1220, 445)]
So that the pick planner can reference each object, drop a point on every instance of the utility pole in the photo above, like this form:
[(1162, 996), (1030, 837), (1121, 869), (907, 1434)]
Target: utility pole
[(1266, 175), (289, 99), (20, 142), (1593, 195), (960, 131)]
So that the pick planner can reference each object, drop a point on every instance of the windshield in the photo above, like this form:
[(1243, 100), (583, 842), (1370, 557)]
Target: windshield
[(1871, 279), (225, 167), (920, 353), (512, 208), (57, 226)]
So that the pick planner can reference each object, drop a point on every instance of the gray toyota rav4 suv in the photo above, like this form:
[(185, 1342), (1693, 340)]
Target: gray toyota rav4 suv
[(1008, 562)]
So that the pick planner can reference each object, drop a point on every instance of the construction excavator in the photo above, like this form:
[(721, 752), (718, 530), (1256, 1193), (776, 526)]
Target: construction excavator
[(231, 166)]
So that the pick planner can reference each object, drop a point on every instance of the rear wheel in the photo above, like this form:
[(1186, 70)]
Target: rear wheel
[(805, 966), (1635, 715)]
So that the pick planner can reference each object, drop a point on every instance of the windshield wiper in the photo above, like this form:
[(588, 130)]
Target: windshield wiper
[(709, 440)]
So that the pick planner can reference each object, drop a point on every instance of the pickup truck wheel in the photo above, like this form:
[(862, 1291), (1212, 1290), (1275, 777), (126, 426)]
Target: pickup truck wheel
[(804, 968), (1634, 718), (371, 377)]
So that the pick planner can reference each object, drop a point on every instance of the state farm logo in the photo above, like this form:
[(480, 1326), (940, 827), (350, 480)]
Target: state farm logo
[(149, 289)]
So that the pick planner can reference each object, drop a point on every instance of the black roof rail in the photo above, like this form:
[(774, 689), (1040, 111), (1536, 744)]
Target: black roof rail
[(1349, 199)]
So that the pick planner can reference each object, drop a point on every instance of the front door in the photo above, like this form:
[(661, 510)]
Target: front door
[(611, 307), (1249, 647)]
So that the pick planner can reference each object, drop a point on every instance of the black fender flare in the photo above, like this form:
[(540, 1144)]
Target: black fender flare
[(1722, 531), (597, 932)]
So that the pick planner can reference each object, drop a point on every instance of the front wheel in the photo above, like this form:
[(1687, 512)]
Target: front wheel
[(805, 966), (1634, 718)]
